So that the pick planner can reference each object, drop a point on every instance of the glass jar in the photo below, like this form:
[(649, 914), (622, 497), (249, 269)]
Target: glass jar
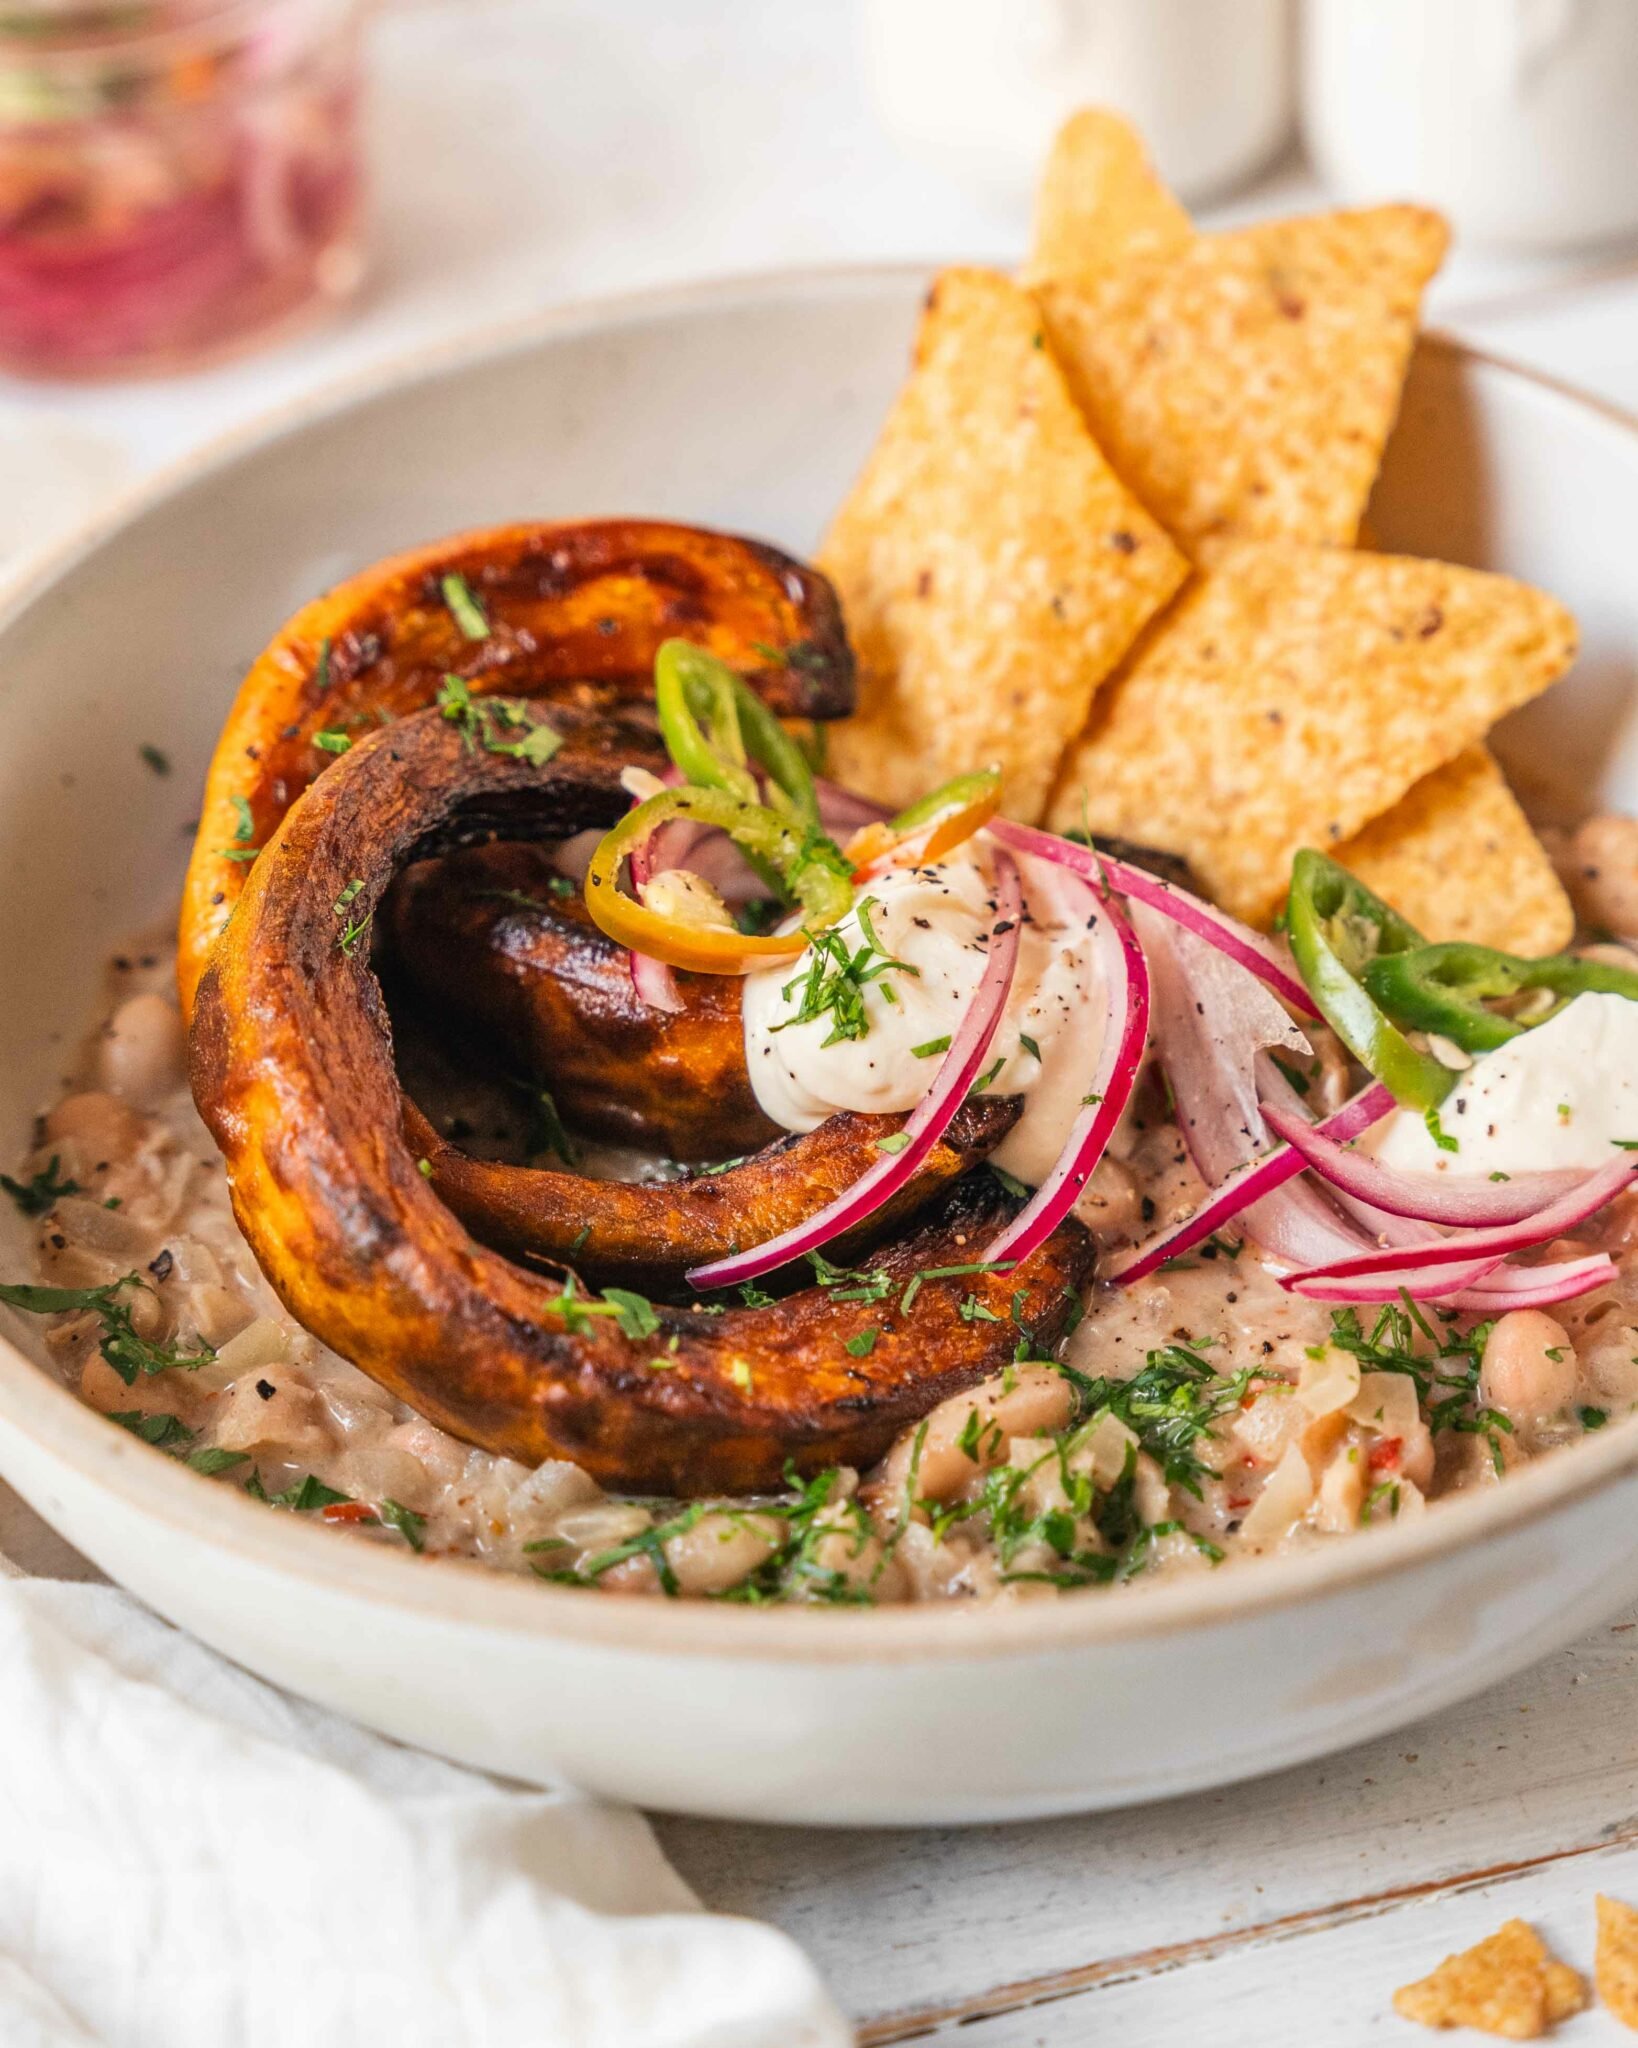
[(176, 176)]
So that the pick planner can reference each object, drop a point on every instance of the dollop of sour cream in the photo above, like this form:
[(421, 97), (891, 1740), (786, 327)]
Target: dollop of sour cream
[(937, 920), (1556, 1096)]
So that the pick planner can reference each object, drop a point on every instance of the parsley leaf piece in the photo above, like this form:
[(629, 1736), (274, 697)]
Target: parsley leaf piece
[(161, 1430), (633, 1312), (305, 1495), (411, 1526), (907, 1299), (548, 1133), (1440, 1136), (861, 1345), (332, 740), (121, 1347), (895, 1141), (837, 975), (464, 608), (41, 1191), (211, 1459)]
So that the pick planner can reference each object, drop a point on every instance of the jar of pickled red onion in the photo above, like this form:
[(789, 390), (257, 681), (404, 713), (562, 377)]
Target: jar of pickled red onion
[(176, 176)]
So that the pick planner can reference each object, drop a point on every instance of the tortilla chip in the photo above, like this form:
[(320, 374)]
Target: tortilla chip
[(992, 568), (1616, 1969), (1457, 857), (1292, 695), (1507, 1985), (1245, 386), (1100, 200)]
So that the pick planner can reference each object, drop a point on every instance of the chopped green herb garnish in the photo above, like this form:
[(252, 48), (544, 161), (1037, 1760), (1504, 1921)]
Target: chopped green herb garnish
[(926, 1050), (355, 927), (212, 1459), (907, 1299), (548, 1133), (837, 976), (332, 740), (981, 1437), (1437, 1132), (633, 1312), (161, 1430), (1385, 1495), (500, 725), (986, 1077), (411, 1526), (245, 830), (41, 1191), (464, 608), (1445, 1373), (895, 1141), (121, 1347), (863, 1344), (1010, 1181), (845, 1283), (321, 669), (303, 1497), (1294, 1075), (1593, 1418), (1030, 1047), (1173, 1406)]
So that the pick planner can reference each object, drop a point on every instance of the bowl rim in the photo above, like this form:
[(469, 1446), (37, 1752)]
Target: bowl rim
[(466, 1593)]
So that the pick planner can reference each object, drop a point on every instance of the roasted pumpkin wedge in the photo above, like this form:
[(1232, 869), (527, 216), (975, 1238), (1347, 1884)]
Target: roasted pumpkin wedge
[(564, 612), (293, 1071)]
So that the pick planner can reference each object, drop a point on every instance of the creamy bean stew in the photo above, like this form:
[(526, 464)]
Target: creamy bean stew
[(1203, 1415)]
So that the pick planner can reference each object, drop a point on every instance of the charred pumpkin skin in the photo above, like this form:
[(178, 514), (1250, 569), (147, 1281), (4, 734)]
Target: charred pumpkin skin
[(490, 950), (576, 613), (292, 1070)]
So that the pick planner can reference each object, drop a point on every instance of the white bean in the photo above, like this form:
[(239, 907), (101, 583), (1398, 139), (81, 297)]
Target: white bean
[(139, 1057), (720, 1550), (1025, 1402), (1601, 873), (1529, 1366)]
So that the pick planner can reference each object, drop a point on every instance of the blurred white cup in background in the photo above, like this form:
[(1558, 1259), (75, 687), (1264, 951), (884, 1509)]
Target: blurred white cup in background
[(977, 87), (1519, 118)]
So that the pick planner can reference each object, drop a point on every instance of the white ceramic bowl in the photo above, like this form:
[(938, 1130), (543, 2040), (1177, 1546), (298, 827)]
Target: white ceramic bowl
[(746, 406)]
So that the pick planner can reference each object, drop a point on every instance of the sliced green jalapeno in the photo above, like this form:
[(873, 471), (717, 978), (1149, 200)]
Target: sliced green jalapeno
[(1448, 988), (1338, 928)]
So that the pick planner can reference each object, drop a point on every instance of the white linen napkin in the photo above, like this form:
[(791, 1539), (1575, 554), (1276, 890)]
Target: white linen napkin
[(190, 1858)]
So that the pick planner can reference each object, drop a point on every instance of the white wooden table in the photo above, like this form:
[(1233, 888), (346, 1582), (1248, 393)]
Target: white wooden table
[(698, 141)]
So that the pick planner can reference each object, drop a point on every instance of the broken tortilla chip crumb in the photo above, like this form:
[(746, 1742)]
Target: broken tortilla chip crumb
[(1458, 858), (1245, 385), (992, 569), (1100, 199), (1616, 1970), (1507, 1985), (1292, 695)]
